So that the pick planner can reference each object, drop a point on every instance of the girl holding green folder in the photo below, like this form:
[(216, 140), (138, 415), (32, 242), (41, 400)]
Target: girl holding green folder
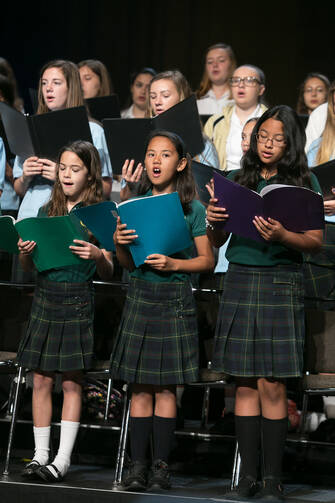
[(59, 336), (157, 344)]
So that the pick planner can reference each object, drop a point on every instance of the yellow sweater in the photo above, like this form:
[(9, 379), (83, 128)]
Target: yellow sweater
[(219, 132)]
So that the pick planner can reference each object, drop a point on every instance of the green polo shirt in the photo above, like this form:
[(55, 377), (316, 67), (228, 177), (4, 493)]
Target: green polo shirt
[(196, 223), (78, 273), (245, 251)]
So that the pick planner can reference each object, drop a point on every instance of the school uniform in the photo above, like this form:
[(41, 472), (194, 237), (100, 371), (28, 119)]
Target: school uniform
[(260, 326), (157, 341), (59, 335)]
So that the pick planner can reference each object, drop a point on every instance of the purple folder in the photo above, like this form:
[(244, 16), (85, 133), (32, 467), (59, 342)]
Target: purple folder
[(298, 209)]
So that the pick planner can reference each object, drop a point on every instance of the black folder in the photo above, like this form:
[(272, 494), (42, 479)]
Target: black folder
[(325, 173), (126, 137), (9, 153), (45, 134), (202, 174), (104, 107)]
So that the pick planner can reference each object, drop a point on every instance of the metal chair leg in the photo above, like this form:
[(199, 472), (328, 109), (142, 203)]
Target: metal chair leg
[(19, 381), (303, 419), (205, 407), (108, 398), (122, 442), (236, 468)]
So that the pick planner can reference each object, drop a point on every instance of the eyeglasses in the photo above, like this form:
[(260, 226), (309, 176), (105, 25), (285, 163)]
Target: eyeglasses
[(278, 141), (247, 81)]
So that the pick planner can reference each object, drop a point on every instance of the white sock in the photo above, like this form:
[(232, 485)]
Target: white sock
[(68, 435), (42, 442), (329, 406)]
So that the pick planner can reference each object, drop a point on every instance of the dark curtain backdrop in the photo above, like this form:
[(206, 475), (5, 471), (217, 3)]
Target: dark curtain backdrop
[(286, 39)]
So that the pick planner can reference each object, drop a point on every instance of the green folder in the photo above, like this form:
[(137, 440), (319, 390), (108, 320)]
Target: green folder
[(53, 236), (8, 235)]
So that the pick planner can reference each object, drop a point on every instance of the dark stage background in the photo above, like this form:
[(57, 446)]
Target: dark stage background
[(287, 39)]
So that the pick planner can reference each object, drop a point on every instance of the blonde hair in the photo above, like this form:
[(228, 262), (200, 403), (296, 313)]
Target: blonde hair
[(327, 145), (72, 77), (183, 87), (100, 70), (205, 83)]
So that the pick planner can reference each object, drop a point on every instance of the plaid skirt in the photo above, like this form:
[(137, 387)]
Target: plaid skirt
[(157, 341), (59, 336), (260, 326), (319, 273)]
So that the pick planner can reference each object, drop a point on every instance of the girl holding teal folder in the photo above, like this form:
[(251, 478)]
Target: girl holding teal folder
[(157, 344), (59, 337)]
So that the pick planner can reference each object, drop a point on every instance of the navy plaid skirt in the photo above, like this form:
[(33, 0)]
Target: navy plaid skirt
[(59, 336), (260, 326), (157, 341), (319, 273)]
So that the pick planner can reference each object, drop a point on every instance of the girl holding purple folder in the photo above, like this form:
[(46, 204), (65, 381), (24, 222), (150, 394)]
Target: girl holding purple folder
[(260, 328)]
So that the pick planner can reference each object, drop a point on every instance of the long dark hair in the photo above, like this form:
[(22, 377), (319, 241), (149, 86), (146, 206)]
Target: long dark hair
[(88, 154), (292, 168), (185, 185)]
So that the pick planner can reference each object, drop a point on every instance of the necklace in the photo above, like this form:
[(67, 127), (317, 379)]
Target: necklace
[(268, 174)]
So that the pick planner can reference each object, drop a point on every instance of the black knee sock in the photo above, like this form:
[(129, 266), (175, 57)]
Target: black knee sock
[(163, 430), (248, 430), (273, 444), (140, 431)]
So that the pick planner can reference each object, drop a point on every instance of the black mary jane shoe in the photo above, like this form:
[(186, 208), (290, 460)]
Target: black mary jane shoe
[(159, 477), (137, 477), (30, 469), (272, 490), (44, 473), (247, 488)]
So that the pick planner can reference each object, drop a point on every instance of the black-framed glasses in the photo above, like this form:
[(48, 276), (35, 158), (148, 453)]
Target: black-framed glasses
[(276, 140), (247, 81)]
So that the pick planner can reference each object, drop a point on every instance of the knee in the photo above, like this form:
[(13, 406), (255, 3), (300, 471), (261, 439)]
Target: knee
[(272, 391), (42, 382), (69, 386), (165, 395)]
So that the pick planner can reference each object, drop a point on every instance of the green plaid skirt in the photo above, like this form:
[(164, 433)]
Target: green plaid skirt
[(157, 341), (260, 326), (319, 273), (59, 336)]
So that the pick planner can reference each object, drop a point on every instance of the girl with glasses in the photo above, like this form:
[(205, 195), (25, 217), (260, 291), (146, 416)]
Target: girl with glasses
[(260, 328), (247, 85)]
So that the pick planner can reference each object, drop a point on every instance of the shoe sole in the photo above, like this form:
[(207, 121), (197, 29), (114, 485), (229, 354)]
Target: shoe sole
[(159, 487), (135, 486)]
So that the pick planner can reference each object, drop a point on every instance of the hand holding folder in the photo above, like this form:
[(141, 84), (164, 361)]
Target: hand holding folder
[(298, 209), (53, 236), (158, 220)]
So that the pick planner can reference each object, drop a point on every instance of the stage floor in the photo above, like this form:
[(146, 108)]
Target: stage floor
[(94, 484)]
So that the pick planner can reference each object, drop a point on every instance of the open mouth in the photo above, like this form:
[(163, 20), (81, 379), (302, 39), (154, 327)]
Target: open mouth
[(156, 171)]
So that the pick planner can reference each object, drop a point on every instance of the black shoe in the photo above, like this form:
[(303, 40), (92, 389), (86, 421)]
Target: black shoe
[(159, 476), (247, 488), (29, 471), (49, 476), (272, 490), (137, 477)]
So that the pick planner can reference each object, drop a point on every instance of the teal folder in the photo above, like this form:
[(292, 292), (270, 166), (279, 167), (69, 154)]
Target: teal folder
[(159, 222)]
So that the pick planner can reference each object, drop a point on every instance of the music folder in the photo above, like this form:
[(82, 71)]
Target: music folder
[(44, 135), (126, 138)]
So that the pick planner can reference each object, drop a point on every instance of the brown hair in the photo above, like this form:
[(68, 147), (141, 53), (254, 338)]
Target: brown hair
[(185, 185), (327, 145), (7, 70), (205, 83), (301, 107), (101, 71), (183, 87), (89, 155), (72, 77)]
